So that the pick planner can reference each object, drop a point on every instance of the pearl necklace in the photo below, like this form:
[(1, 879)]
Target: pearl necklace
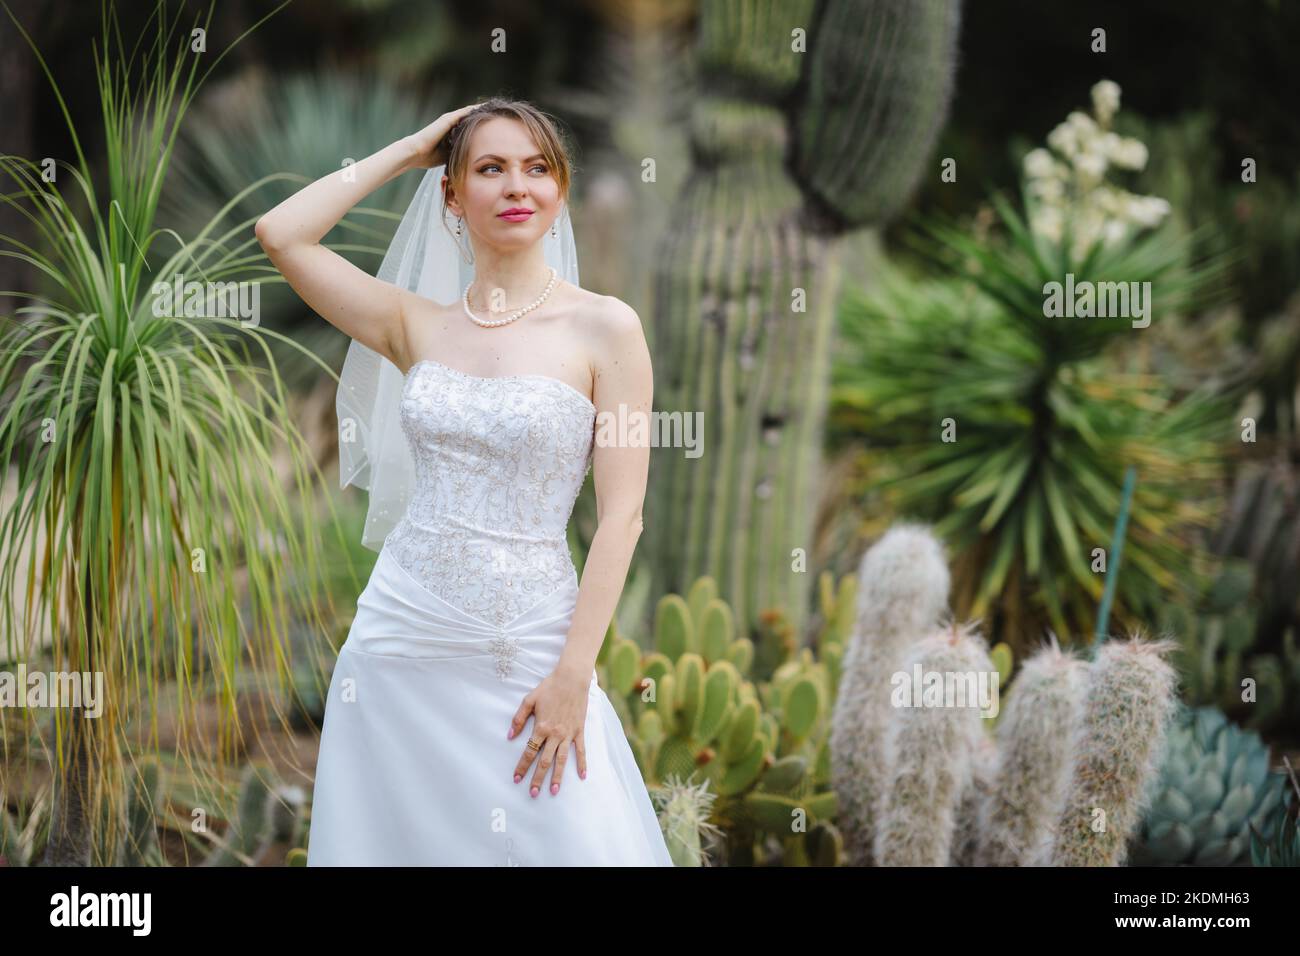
[(489, 324)]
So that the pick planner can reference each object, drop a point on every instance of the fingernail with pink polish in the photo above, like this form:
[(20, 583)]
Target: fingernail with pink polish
[(582, 774), (555, 788), (534, 792), (518, 777)]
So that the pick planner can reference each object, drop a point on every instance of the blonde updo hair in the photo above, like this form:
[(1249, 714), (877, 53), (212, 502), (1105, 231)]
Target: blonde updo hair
[(544, 130)]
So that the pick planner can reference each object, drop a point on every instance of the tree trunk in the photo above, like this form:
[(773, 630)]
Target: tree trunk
[(70, 829)]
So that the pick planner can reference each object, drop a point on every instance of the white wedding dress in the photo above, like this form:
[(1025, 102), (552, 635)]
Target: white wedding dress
[(467, 609)]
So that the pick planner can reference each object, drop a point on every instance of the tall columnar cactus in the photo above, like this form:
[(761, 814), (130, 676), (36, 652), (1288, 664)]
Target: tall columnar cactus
[(814, 119), (930, 753), (1034, 760), (267, 813), (902, 593), (1129, 703), (141, 847)]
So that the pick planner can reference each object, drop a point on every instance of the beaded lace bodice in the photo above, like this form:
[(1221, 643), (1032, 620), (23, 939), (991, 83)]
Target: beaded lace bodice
[(499, 462)]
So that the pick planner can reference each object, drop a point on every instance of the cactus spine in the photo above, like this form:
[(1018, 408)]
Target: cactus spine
[(684, 818)]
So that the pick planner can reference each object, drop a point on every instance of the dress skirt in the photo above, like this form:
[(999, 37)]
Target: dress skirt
[(415, 768)]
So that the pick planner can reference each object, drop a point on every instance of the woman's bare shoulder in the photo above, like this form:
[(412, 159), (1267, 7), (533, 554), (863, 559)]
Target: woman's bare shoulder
[(608, 316), (614, 337)]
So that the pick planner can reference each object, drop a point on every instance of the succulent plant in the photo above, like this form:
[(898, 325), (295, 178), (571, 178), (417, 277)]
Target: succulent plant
[(1116, 752), (902, 592), (268, 813), (1281, 845), (1214, 785), (930, 756), (1033, 762), (831, 139), (141, 848), (15, 849), (1214, 631), (684, 812), (694, 716), (968, 835), (1217, 635)]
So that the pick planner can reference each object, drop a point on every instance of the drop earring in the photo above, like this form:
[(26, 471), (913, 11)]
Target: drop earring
[(554, 234), (459, 220)]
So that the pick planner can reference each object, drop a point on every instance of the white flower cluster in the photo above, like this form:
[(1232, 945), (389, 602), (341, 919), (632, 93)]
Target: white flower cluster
[(1070, 184)]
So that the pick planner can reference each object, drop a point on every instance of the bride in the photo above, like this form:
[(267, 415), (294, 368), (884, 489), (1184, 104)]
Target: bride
[(464, 724)]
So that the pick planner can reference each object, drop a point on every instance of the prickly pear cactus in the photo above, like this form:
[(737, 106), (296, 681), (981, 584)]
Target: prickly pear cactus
[(684, 815), (694, 714)]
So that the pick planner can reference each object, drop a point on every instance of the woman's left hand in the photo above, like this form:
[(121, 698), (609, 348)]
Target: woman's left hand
[(559, 708)]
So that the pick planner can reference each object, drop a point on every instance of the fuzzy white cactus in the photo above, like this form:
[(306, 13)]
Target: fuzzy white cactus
[(1034, 761), (903, 586), (930, 754), (968, 836), (1130, 700)]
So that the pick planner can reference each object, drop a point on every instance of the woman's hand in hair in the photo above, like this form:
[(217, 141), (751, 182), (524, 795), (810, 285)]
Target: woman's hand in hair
[(429, 143)]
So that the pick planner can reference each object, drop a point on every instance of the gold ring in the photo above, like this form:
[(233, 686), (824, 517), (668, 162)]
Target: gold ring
[(533, 744)]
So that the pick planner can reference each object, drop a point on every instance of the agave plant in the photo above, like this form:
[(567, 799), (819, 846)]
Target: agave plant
[(1010, 427), (1215, 786), (1281, 846), (141, 434)]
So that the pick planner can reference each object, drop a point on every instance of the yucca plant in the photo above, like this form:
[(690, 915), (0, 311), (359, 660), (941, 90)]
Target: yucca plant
[(142, 436), (1011, 429)]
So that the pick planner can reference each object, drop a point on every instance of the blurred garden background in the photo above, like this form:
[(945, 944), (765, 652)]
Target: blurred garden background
[(836, 220)]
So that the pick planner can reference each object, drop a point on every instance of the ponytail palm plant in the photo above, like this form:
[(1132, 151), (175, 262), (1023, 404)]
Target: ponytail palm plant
[(152, 451), (1010, 425)]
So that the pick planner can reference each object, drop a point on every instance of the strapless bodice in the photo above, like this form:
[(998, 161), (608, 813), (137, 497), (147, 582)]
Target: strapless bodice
[(499, 462)]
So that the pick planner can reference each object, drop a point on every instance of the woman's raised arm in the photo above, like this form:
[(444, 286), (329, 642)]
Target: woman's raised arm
[(364, 307)]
